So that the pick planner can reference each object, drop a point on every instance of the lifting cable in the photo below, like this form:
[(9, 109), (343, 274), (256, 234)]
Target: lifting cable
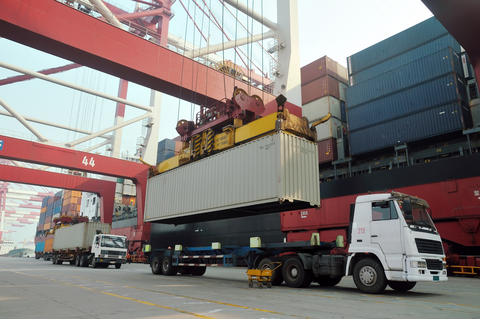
[(208, 48), (223, 51), (183, 62)]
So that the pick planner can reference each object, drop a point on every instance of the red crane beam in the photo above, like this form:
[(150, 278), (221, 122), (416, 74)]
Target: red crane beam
[(55, 28), (105, 189), (38, 153)]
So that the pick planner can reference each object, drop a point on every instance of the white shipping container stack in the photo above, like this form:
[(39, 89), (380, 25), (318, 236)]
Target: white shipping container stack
[(270, 170)]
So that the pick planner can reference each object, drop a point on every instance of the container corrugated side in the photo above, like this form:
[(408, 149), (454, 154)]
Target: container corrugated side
[(322, 67), (327, 151), (435, 121), (439, 91), (319, 88), (406, 40), (436, 64), (237, 182), (40, 246), (405, 58), (318, 109), (330, 129), (78, 236)]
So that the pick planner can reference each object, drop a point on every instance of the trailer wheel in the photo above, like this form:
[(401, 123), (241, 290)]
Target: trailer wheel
[(295, 275), (78, 260), (401, 285), (266, 263), (156, 266), (327, 281), (54, 259), (167, 268), (117, 266), (198, 271), (369, 276)]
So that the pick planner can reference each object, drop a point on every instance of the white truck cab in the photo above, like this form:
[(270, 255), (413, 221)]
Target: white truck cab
[(393, 241), (108, 249)]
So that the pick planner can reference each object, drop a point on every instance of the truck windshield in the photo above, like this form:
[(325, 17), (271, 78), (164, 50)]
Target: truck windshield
[(419, 219), (113, 242)]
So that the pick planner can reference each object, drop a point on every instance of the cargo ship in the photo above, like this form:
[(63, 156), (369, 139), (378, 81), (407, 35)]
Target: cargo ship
[(404, 118)]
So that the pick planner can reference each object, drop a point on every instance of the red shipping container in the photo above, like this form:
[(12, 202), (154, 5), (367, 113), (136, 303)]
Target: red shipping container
[(322, 67), (69, 207), (319, 88), (272, 107), (48, 220), (327, 150), (51, 200)]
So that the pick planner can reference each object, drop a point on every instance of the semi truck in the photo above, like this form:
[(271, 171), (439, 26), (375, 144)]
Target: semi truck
[(391, 241), (89, 243)]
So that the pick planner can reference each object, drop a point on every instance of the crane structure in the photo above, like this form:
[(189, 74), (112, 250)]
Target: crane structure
[(75, 35)]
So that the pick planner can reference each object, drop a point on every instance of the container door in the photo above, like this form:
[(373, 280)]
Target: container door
[(386, 232)]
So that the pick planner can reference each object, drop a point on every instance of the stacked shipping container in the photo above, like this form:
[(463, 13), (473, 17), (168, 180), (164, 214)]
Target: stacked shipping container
[(167, 148), (71, 203), (323, 92), (406, 88)]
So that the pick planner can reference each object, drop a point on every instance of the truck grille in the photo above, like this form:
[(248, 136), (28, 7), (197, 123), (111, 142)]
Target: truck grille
[(434, 264), (113, 253), (426, 246)]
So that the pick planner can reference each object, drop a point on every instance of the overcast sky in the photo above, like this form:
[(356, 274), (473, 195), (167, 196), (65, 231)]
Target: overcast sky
[(337, 28)]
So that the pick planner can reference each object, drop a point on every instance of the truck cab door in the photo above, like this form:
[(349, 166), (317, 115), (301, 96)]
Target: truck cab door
[(386, 232), (96, 245)]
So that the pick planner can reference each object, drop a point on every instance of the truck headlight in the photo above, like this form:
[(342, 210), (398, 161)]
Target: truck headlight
[(444, 265), (418, 264)]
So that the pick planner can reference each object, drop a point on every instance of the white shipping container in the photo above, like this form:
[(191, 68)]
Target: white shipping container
[(318, 109), (342, 71), (130, 190), (329, 129), (78, 236), (119, 188), (272, 169)]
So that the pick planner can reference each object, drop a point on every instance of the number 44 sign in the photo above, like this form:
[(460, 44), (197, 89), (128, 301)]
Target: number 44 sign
[(87, 162)]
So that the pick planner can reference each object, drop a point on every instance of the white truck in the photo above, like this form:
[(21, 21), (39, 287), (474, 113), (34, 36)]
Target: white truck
[(87, 244), (392, 241)]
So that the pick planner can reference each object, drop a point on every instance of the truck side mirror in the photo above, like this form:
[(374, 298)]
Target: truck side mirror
[(407, 208)]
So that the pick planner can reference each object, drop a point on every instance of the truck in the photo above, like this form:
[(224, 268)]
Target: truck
[(391, 241), (43, 247), (88, 243)]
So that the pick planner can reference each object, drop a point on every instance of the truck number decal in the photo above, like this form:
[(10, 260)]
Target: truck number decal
[(361, 230), (86, 162)]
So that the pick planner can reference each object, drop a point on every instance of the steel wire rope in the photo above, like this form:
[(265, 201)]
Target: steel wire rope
[(183, 63), (263, 54), (236, 38), (198, 65), (193, 94), (208, 52), (223, 50), (73, 102)]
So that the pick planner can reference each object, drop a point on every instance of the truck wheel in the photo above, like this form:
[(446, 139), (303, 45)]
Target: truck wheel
[(54, 259), (401, 285), (295, 275), (84, 261), (167, 268), (198, 271), (369, 276), (117, 266), (94, 263), (327, 281), (77, 260), (156, 266), (266, 263)]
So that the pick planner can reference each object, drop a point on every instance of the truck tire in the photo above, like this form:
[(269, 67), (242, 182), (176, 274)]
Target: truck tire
[(156, 266), (54, 259), (401, 285), (78, 260), (198, 271), (327, 281), (369, 276), (167, 268), (117, 266), (295, 275), (94, 263), (277, 277), (84, 261)]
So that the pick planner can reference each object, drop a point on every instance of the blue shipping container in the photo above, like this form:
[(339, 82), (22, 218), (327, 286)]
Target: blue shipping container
[(405, 58), (57, 210), (432, 66), (40, 247), (401, 42), (45, 201), (439, 91), (166, 144), (58, 203), (164, 155), (439, 120)]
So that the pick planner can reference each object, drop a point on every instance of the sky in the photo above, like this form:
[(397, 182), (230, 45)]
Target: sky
[(336, 28)]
